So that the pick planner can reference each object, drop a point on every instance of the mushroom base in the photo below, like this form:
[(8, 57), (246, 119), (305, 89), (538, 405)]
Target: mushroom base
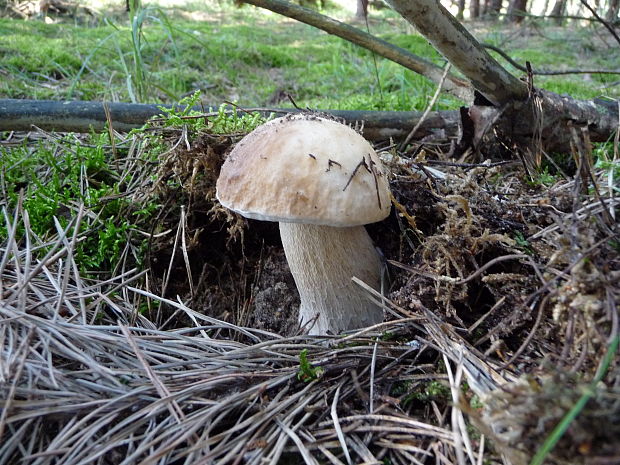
[(323, 259)]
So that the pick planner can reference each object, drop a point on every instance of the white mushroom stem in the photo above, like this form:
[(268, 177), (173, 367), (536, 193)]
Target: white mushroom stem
[(323, 259)]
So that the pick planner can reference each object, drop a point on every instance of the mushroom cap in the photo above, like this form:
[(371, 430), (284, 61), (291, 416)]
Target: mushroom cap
[(305, 169)]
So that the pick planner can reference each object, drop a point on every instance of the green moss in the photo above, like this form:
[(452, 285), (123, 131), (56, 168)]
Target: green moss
[(54, 182)]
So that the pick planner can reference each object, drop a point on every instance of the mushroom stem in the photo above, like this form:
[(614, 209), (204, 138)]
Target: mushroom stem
[(323, 259)]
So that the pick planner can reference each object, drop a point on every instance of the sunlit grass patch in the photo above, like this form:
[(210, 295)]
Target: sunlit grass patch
[(250, 56)]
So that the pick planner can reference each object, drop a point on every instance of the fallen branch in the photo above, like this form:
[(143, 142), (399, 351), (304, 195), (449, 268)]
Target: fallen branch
[(526, 119), (453, 41), (455, 86), (84, 116)]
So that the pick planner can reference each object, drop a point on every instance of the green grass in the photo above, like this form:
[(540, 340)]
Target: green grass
[(552, 48), (221, 123), (245, 55)]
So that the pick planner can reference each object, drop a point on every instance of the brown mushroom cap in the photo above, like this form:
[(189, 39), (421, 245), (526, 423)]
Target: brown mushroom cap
[(305, 169)]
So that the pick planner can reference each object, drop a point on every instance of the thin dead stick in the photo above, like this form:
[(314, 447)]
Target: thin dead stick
[(164, 287), (183, 223), (430, 105), (479, 321), (481, 450), (456, 86), (450, 279), (471, 165), (422, 428), (70, 247), (454, 389), (530, 335), (587, 210), (11, 229), (108, 117), (339, 433), (50, 257), (25, 347), (305, 453), (331, 457), (460, 418), (200, 316), (373, 363)]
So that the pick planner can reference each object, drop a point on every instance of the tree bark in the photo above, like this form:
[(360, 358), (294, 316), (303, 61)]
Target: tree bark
[(362, 9), (454, 42), (558, 11), (612, 11), (84, 116), (491, 8), (496, 7), (527, 118), (452, 85), (461, 10), (516, 9), (608, 26), (474, 9), (524, 117)]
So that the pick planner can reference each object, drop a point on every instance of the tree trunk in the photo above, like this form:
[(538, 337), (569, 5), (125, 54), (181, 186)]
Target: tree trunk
[(558, 11), (496, 7), (362, 9), (612, 12), (461, 10), (453, 41), (474, 9), (491, 8), (524, 117), (516, 10)]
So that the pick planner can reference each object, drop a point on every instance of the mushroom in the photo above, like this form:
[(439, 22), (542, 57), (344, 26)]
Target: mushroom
[(322, 181)]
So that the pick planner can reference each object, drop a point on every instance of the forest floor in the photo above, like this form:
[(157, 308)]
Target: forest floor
[(141, 322)]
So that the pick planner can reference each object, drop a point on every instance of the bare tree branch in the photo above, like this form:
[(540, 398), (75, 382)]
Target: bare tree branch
[(523, 118), (601, 20), (451, 39), (453, 85), (548, 72)]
